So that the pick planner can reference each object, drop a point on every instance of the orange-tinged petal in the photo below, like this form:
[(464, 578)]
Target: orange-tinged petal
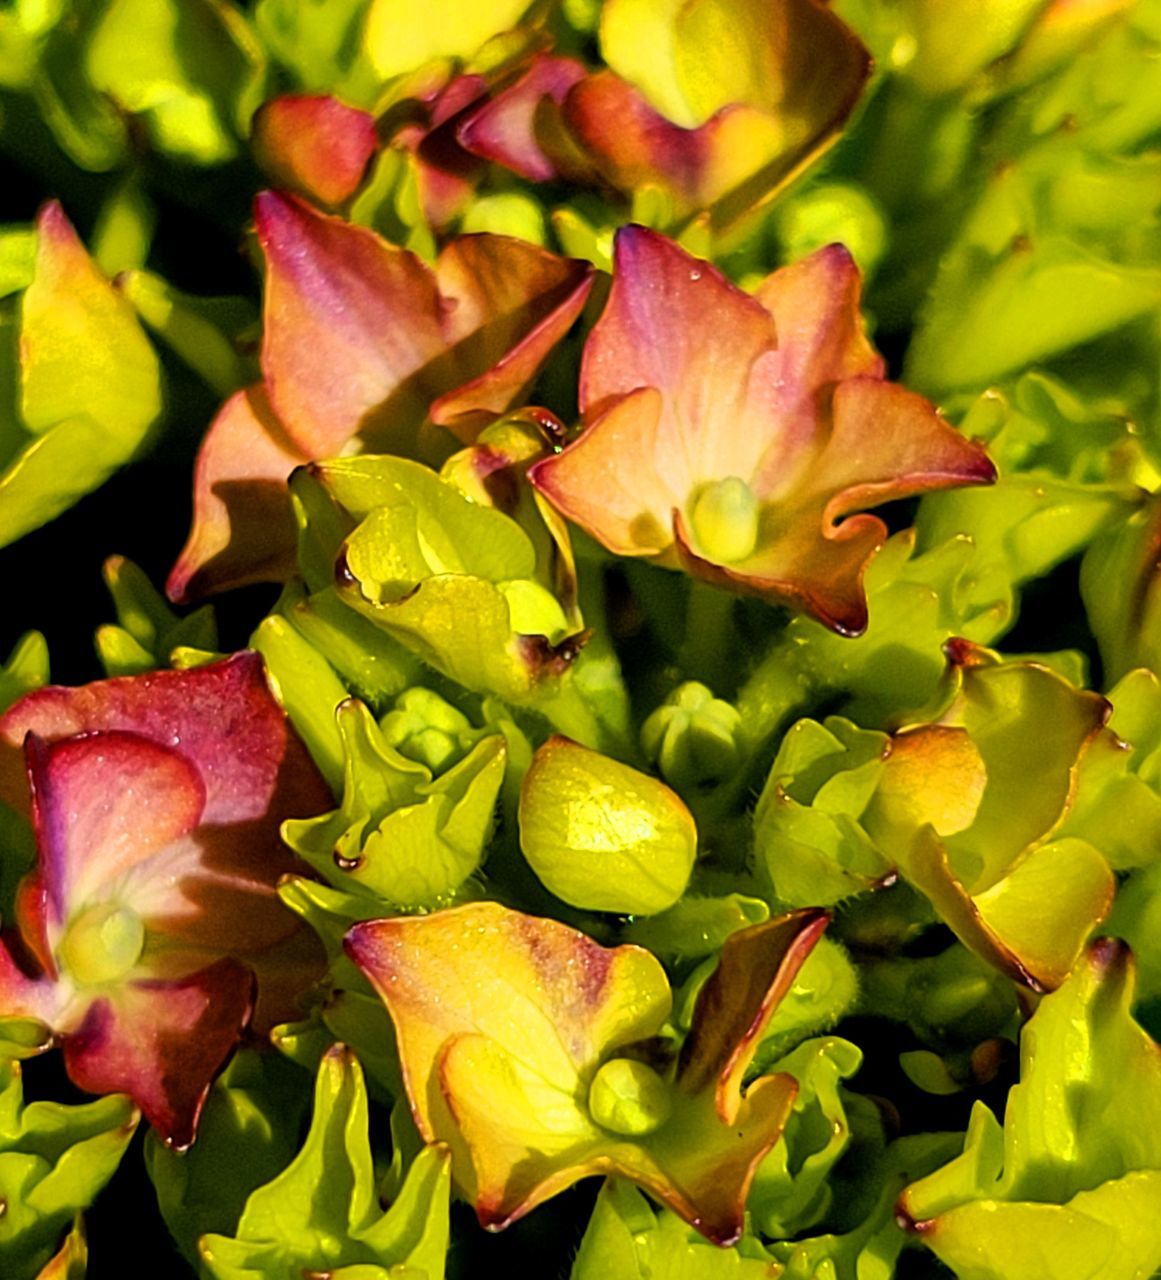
[(315, 146), (821, 332), (243, 523), (361, 336), (349, 319), (542, 991), (773, 430), (510, 303), (756, 969), (608, 480), (162, 1043)]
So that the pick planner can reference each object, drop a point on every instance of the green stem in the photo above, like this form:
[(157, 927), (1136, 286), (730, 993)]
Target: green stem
[(710, 644)]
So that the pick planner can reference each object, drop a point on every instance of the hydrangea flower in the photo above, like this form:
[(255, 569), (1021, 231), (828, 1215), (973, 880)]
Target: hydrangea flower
[(364, 344), (741, 437), (156, 802)]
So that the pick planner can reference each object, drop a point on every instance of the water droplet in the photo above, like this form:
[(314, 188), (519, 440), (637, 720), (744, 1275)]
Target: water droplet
[(695, 276), (348, 864)]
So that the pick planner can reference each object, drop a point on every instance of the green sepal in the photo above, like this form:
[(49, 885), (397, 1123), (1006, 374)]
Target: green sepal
[(308, 689), (147, 629), (191, 69), (1070, 1176), (1068, 470), (54, 1159), (693, 737), (256, 1106), (90, 383), (916, 602), (401, 837), (808, 842), (1116, 803), (25, 669), (791, 1191), (374, 666), (323, 1212), (204, 332), (627, 1239), (869, 1240), (1119, 587)]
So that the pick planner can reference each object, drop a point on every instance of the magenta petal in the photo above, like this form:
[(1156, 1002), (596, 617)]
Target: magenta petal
[(518, 127), (221, 717), (102, 804), (162, 1043), (21, 994)]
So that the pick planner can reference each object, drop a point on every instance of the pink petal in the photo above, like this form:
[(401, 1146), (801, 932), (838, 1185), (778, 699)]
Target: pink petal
[(243, 524), (361, 336), (162, 1043), (821, 334), (349, 320), (446, 174), (221, 717), (675, 323), (23, 995), (317, 147), (520, 126), (103, 803)]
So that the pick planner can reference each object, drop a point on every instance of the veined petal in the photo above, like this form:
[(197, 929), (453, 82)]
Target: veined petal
[(315, 146), (509, 304), (675, 323), (608, 481), (162, 1043), (520, 127), (540, 990), (221, 717), (103, 803), (361, 336), (243, 524), (349, 319)]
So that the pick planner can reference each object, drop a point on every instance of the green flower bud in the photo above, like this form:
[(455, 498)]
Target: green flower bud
[(629, 1097), (427, 729), (693, 736), (603, 836)]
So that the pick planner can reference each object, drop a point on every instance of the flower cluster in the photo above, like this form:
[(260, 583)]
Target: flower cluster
[(673, 493)]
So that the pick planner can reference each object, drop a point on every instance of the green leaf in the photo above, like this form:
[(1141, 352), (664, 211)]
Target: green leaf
[(53, 1161), (626, 1239), (808, 842), (205, 332), (90, 383), (791, 1192), (696, 926), (322, 1212), (147, 631), (1067, 1179), (193, 70), (255, 1106)]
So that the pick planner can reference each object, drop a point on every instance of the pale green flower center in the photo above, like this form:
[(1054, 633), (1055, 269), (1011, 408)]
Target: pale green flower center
[(102, 944), (629, 1097), (725, 520)]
